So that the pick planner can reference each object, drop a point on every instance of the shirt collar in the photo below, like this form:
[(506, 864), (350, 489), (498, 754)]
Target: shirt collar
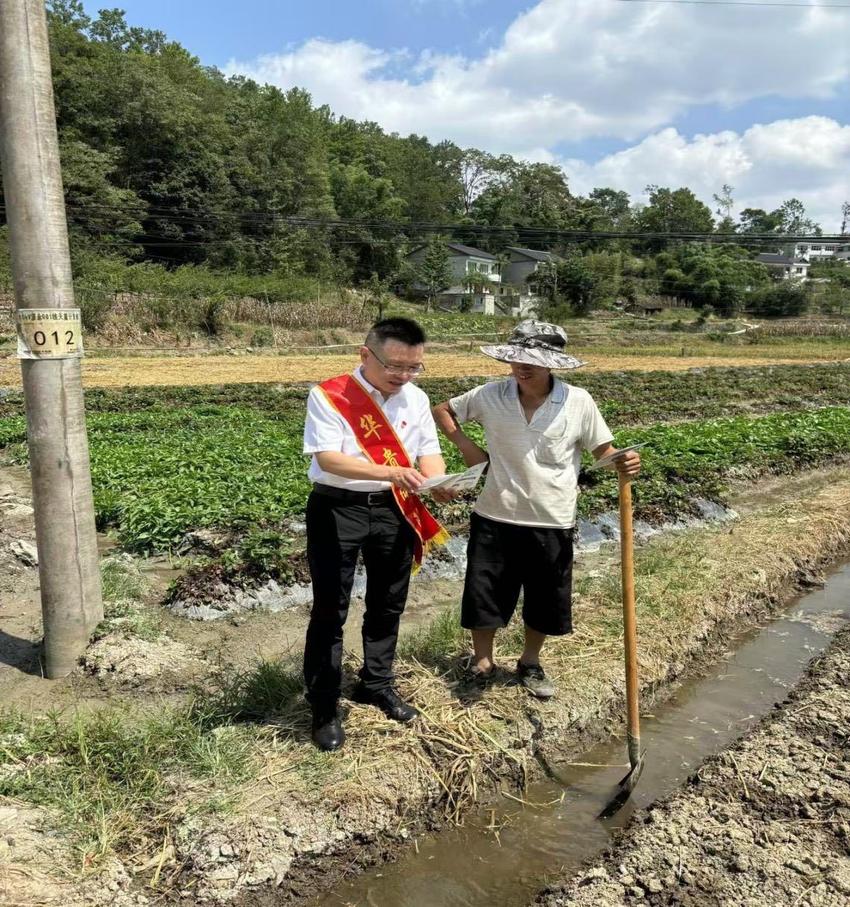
[(372, 390), (557, 394)]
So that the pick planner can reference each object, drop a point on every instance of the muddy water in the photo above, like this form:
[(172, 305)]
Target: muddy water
[(504, 855)]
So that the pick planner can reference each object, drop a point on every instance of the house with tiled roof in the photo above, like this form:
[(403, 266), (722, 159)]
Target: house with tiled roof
[(476, 277), (784, 267)]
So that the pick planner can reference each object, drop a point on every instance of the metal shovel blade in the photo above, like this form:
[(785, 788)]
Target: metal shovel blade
[(624, 789)]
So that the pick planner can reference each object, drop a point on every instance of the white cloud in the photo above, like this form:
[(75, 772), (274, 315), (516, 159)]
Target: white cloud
[(807, 158), (568, 70), (572, 69)]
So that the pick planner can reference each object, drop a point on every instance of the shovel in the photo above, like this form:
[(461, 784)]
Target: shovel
[(636, 757)]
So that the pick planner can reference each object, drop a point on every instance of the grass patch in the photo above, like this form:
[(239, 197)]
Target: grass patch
[(124, 591), (111, 779), (121, 579), (252, 694), (114, 779), (438, 642)]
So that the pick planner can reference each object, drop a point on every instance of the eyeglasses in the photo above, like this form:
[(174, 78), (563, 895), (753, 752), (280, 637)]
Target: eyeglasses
[(412, 370)]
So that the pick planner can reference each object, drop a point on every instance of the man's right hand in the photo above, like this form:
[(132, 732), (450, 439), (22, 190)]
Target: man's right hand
[(405, 477)]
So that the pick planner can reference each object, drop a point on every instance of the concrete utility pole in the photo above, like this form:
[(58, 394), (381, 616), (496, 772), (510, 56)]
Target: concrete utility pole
[(41, 267)]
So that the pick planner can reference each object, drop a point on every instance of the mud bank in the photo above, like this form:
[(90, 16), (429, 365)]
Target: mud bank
[(765, 822), (305, 819)]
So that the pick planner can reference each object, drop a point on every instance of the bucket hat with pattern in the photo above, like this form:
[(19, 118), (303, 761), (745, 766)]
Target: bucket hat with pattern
[(535, 343)]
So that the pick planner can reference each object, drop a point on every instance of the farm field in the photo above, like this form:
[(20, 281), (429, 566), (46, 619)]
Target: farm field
[(223, 792), (158, 475), (240, 206), (163, 463)]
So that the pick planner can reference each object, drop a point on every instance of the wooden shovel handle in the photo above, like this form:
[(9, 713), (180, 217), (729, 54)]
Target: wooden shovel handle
[(629, 619)]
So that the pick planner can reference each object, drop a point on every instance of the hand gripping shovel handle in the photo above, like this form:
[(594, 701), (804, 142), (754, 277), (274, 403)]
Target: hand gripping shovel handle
[(628, 783)]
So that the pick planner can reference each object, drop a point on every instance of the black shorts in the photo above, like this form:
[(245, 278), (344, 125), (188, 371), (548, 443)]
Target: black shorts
[(504, 557)]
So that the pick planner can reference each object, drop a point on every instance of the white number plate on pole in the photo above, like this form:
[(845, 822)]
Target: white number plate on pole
[(49, 334)]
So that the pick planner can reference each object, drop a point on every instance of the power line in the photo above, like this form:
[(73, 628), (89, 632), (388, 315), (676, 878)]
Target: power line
[(430, 228)]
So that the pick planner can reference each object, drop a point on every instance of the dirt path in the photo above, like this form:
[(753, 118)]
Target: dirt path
[(765, 822), (193, 369)]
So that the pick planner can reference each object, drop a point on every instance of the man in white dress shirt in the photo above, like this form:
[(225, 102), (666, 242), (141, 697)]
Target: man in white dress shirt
[(521, 529), (361, 503)]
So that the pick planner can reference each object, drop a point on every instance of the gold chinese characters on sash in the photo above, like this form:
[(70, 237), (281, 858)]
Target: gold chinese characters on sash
[(381, 444)]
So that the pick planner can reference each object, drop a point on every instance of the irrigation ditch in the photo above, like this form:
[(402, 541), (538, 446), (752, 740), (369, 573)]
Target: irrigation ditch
[(764, 822), (508, 846)]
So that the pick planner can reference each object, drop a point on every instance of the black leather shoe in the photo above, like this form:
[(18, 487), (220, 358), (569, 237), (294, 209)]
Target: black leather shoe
[(328, 734), (387, 700)]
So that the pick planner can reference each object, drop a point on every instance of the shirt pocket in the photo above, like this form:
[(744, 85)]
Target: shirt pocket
[(553, 449)]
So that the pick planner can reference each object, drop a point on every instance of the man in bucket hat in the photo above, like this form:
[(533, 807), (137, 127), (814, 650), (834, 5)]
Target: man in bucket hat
[(521, 529)]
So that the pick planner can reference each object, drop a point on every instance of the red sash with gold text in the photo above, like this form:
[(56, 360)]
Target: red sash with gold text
[(381, 444)]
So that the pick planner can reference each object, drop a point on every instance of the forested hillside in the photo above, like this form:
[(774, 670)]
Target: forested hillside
[(168, 163)]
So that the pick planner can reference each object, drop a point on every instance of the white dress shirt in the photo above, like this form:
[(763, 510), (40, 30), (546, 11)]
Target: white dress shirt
[(408, 411)]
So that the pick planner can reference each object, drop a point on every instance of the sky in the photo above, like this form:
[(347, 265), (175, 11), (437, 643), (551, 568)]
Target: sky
[(619, 93)]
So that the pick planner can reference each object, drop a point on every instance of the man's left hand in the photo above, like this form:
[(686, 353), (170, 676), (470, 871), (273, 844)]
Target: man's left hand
[(628, 464)]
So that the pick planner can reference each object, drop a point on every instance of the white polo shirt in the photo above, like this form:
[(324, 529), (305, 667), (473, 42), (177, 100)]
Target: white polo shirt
[(532, 479), (408, 411)]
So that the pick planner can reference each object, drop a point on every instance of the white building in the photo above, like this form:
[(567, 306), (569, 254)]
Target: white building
[(784, 267), (816, 251)]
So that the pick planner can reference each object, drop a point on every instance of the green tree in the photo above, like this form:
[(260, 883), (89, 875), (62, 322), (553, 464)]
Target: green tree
[(97, 208), (524, 194), (359, 195), (434, 274), (757, 220), (725, 202), (576, 283), (377, 294), (793, 219), (674, 211), (610, 209), (785, 298), (719, 276), (789, 218), (477, 172)]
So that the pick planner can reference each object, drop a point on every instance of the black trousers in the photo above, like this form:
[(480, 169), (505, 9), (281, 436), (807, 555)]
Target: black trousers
[(338, 529)]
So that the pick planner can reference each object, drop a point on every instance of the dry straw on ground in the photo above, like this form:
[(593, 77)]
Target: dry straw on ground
[(193, 369)]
